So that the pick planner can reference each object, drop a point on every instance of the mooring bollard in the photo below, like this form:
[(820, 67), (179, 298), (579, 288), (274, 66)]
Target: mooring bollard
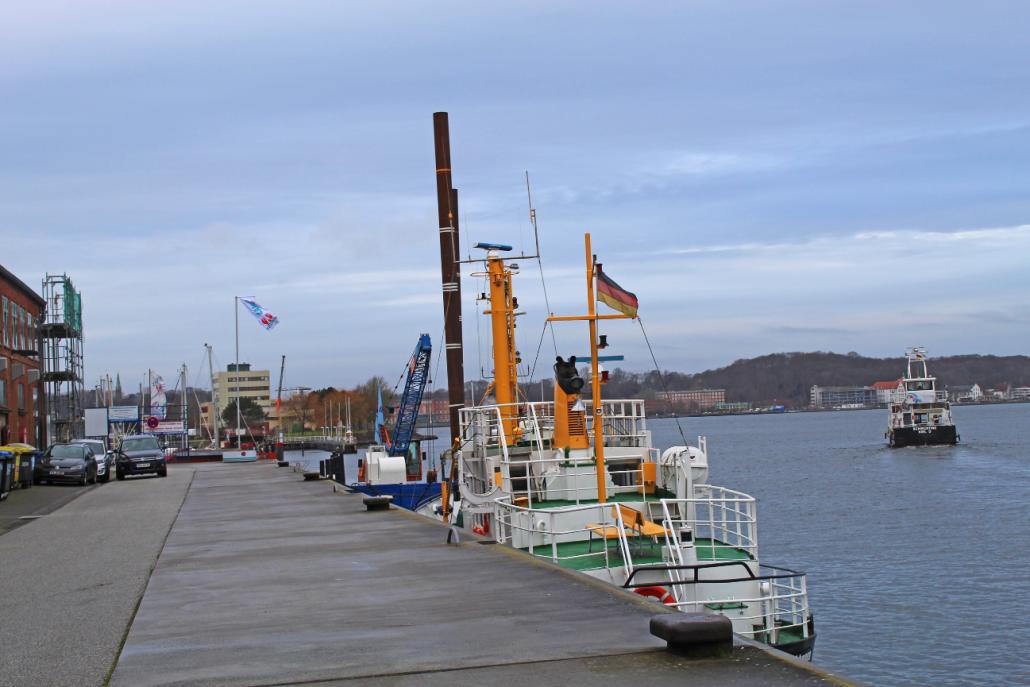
[(694, 635), (377, 502)]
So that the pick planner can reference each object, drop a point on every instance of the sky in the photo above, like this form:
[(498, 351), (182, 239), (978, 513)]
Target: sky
[(765, 176)]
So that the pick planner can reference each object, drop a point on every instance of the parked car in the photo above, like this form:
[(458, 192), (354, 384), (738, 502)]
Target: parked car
[(67, 463), (105, 459), (140, 454)]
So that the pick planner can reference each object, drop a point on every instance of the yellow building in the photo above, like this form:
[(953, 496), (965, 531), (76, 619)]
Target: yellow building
[(253, 384)]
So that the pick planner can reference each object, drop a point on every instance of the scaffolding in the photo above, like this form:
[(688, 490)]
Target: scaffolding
[(63, 379)]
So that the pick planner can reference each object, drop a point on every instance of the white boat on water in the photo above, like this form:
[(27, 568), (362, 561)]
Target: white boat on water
[(920, 414), (577, 481)]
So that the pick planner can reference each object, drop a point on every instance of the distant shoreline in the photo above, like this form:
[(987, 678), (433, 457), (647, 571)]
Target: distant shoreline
[(824, 410)]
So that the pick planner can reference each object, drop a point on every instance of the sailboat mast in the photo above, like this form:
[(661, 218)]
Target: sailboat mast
[(214, 396), (450, 275), (236, 311)]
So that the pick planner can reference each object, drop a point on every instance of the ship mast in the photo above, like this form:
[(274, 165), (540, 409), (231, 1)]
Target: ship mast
[(450, 274), (595, 379), (502, 322)]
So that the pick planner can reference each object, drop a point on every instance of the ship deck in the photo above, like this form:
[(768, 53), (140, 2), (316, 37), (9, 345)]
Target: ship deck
[(584, 555)]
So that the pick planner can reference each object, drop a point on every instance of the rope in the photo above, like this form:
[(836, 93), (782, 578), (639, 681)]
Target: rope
[(661, 377), (539, 345)]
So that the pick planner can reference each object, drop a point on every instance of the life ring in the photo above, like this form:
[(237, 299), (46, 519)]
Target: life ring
[(660, 594)]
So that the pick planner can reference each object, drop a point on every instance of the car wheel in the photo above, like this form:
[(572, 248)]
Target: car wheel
[(162, 473), (107, 476), (119, 476), (85, 480)]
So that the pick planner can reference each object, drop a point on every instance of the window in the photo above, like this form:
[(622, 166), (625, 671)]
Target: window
[(6, 339), (19, 331), (21, 397), (3, 392)]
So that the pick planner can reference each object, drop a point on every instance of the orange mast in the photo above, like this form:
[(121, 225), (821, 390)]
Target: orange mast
[(595, 384)]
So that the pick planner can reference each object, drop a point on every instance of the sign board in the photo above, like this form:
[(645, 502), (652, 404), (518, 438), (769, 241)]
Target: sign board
[(123, 414), (96, 422), (165, 426)]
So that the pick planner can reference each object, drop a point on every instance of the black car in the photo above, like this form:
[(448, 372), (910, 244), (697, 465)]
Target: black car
[(67, 463), (140, 454)]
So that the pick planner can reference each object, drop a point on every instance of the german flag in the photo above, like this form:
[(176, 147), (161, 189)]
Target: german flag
[(614, 296)]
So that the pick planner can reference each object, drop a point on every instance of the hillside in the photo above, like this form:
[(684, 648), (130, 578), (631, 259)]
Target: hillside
[(787, 377)]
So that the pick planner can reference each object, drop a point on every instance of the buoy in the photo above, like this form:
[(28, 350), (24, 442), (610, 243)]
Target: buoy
[(657, 593)]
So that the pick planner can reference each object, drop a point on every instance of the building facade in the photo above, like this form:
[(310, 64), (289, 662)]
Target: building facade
[(21, 311), (886, 392), (698, 398), (253, 384), (1019, 393), (965, 393), (843, 396)]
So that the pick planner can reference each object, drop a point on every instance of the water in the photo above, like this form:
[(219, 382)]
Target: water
[(917, 558)]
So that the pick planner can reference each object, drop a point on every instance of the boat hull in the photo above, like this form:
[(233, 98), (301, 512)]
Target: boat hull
[(245, 456), (926, 436), (408, 495)]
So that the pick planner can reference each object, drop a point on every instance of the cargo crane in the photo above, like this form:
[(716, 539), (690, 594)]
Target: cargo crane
[(392, 468), (411, 399)]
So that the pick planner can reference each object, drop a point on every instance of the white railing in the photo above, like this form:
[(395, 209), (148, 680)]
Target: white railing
[(779, 602), (528, 477), (726, 517), (538, 532), (625, 422)]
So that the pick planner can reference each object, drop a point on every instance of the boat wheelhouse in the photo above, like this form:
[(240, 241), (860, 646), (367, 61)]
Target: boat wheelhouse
[(577, 481), (920, 414)]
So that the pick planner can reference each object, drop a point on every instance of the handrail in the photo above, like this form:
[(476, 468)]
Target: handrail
[(661, 567)]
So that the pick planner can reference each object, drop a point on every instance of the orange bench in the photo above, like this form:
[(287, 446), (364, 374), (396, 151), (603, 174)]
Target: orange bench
[(634, 523)]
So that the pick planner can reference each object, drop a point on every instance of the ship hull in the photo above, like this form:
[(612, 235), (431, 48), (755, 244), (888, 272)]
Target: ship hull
[(409, 495), (924, 436)]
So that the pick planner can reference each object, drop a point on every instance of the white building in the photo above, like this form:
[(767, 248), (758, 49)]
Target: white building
[(966, 393)]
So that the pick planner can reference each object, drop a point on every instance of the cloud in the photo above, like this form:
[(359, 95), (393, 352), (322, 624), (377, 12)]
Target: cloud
[(813, 181)]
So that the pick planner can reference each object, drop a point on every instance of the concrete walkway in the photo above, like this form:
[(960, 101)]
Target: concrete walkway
[(72, 578), (23, 505), (268, 580)]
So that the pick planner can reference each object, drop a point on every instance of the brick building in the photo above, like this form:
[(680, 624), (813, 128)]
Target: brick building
[(694, 398), (21, 311)]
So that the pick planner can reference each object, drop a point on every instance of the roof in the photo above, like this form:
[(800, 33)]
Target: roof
[(9, 276), (961, 387), (886, 385)]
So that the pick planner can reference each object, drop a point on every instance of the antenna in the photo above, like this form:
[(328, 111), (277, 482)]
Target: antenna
[(532, 215)]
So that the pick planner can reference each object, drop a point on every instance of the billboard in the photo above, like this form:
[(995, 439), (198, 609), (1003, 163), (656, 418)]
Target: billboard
[(156, 426), (123, 414), (96, 422)]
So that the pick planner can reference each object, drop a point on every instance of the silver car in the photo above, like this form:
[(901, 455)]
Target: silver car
[(105, 459)]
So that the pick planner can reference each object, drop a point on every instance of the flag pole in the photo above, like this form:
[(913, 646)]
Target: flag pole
[(595, 381), (236, 312)]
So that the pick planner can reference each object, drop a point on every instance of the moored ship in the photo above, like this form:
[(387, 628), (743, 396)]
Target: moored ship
[(920, 414), (576, 481)]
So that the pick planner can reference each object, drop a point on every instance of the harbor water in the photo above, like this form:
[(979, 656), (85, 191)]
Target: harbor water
[(916, 557)]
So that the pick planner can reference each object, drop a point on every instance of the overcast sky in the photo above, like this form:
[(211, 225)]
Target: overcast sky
[(766, 176)]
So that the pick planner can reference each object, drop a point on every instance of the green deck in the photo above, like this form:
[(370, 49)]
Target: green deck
[(624, 497), (575, 555)]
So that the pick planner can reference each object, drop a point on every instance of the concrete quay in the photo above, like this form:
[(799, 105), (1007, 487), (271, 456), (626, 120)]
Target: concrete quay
[(265, 579)]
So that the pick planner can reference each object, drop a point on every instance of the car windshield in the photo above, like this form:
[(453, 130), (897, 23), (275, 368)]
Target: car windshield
[(140, 444), (66, 451), (97, 446)]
